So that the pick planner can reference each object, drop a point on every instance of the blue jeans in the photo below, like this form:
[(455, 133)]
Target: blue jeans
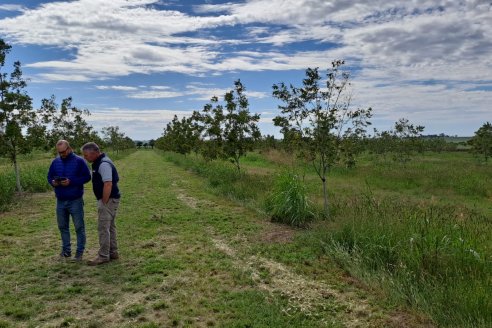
[(75, 208)]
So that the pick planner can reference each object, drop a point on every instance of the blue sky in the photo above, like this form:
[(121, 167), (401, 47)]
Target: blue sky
[(136, 63)]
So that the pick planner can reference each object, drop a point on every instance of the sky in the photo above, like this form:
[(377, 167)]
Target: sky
[(137, 63)]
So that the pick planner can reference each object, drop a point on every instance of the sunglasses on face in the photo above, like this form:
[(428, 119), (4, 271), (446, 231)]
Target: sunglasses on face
[(63, 151)]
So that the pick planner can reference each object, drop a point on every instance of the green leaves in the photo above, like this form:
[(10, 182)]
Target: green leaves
[(180, 136), (67, 122), (318, 120), (16, 112), (228, 130), (482, 141)]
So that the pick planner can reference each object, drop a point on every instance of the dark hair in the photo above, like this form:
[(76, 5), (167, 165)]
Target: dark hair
[(90, 146)]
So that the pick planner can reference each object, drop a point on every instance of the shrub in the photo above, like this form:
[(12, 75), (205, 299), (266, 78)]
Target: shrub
[(288, 202)]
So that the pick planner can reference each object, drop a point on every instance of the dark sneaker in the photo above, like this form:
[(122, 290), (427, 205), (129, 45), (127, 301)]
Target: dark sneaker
[(114, 256), (65, 256), (78, 258), (98, 260)]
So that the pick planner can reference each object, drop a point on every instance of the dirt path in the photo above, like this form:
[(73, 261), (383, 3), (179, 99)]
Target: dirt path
[(189, 259)]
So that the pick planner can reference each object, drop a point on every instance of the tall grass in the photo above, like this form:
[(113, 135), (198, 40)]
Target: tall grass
[(288, 202), (435, 258), (32, 176), (7, 189), (224, 178)]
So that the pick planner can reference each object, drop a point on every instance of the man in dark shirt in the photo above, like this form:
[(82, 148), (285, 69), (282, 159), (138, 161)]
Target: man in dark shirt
[(105, 186), (67, 174)]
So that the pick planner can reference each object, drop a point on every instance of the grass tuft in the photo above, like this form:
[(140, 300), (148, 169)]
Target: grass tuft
[(288, 202)]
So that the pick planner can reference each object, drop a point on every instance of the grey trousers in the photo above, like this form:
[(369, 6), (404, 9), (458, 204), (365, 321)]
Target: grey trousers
[(106, 227)]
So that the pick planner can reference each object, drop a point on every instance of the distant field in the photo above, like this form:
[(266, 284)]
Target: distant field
[(457, 139)]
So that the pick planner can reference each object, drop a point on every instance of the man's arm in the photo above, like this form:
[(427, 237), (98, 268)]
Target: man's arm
[(105, 170), (51, 176), (108, 185), (83, 175)]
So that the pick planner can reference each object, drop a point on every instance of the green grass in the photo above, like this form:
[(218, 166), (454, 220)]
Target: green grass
[(32, 176), (437, 259), (188, 258), (288, 201), (415, 239), (223, 177), (420, 232)]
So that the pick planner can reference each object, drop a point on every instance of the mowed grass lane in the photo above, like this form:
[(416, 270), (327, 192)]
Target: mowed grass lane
[(188, 258)]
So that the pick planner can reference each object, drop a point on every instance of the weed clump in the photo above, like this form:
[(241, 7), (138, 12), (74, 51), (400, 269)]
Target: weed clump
[(288, 202)]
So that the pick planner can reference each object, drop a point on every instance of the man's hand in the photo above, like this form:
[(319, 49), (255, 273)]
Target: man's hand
[(107, 191), (63, 183)]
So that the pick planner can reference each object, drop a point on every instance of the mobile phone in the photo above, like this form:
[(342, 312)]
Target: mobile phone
[(59, 179)]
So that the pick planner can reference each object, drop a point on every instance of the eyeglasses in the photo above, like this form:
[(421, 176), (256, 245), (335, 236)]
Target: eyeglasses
[(63, 151)]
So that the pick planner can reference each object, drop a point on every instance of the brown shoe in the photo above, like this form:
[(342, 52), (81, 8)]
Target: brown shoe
[(98, 260), (114, 256)]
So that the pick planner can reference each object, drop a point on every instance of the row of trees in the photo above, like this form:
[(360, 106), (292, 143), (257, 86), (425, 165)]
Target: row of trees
[(223, 129), (316, 119), (24, 128)]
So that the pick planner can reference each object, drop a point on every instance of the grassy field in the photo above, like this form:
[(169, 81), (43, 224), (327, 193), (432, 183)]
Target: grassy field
[(420, 233), (189, 258)]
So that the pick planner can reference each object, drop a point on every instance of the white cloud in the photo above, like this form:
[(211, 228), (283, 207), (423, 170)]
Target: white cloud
[(199, 91), (116, 87), (203, 93), (118, 38), (12, 7), (137, 124), (154, 94)]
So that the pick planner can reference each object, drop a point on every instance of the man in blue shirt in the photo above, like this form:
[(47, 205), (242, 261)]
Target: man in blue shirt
[(67, 174)]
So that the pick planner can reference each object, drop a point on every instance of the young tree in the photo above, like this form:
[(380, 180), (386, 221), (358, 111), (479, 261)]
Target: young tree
[(114, 138), (322, 117), (152, 143), (241, 130), (37, 136), (381, 143), (67, 122), (209, 124), (406, 139), (179, 136), (230, 129), (482, 141), (16, 112)]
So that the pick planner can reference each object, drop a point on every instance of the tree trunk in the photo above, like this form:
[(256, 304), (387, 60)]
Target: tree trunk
[(17, 175), (238, 166), (325, 196)]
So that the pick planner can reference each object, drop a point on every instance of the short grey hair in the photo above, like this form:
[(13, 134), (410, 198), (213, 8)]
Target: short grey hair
[(90, 146), (63, 142)]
